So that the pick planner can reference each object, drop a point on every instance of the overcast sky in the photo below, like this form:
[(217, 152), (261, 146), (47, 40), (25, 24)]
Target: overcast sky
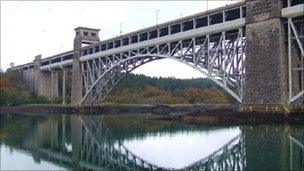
[(29, 28)]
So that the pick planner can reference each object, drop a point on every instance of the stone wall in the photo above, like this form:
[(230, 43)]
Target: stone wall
[(261, 10)]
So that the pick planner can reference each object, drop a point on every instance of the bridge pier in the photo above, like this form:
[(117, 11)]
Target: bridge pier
[(64, 77), (76, 91), (45, 82), (54, 84), (37, 72), (42, 79), (266, 83), (83, 36), (29, 79)]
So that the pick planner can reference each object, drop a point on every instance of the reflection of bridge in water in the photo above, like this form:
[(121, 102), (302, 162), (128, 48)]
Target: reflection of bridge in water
[(94, 148), (88, 143), (99, 150)]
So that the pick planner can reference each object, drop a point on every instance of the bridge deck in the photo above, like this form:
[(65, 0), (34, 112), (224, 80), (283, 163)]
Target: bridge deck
[(193, 22), (198, 20)]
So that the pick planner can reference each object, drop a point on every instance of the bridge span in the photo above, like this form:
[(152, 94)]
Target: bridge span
[(252, 49)]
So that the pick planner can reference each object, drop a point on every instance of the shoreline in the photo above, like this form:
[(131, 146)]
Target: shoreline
[(118, 108), (240, 118), (207, 114)]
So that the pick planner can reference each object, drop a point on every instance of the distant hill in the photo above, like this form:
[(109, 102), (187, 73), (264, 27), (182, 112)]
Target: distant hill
[(139, 82), (143, 89)]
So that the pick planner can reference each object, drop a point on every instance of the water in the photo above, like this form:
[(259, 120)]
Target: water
[(134, 142)]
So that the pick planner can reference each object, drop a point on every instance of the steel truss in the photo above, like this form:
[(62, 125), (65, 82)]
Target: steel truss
[(295, 53), (219, 56)]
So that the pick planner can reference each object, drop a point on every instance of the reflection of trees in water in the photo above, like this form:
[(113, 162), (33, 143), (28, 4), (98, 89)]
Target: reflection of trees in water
[(94, 145), (15, 128), (127, 127)]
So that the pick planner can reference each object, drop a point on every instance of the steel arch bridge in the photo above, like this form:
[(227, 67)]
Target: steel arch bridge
[(97, 149), (219, 56), (252, 49)]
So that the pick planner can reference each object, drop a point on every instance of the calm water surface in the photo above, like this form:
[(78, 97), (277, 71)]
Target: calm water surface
[(133, 142)]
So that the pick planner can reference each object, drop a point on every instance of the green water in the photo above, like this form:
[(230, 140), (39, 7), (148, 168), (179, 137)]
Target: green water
[(135, 142)]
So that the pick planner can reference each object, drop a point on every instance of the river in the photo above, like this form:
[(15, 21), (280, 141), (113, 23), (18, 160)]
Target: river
[(136, 142)]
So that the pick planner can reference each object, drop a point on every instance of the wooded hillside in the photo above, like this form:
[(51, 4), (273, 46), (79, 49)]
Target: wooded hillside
[(143, 89)]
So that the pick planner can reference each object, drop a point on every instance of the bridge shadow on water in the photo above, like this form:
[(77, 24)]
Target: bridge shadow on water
[(101, 143)]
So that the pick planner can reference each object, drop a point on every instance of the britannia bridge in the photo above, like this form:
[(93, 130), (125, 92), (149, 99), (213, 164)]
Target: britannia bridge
[(253, 49)]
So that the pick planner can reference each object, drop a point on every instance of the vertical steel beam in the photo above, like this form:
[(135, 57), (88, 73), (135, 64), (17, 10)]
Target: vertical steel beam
[(240, 68), (289, 59), (208, 54), (224, 57), (193, 52)]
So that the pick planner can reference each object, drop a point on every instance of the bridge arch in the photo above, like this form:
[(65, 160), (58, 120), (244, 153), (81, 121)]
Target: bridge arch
[(118, 71), (219, 56)]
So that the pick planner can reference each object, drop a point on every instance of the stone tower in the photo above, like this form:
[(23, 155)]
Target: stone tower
[(266, 61), (83, 36)]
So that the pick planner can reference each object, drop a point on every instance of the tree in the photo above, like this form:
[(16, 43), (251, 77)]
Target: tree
[(13, 90)]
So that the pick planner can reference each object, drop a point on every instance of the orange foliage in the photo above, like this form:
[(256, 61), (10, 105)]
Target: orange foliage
[(4, 83), (152, 91), (152, 94), (211, 95)]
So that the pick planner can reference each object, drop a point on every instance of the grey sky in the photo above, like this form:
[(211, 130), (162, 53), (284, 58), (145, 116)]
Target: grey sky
[(46, 27)]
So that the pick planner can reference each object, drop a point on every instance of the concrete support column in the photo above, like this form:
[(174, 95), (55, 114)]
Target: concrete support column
[(266, 85), (44, 84), (37, 64), (43, 80), (54, 84), (28, 77), (76, 89), (64, 75)]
